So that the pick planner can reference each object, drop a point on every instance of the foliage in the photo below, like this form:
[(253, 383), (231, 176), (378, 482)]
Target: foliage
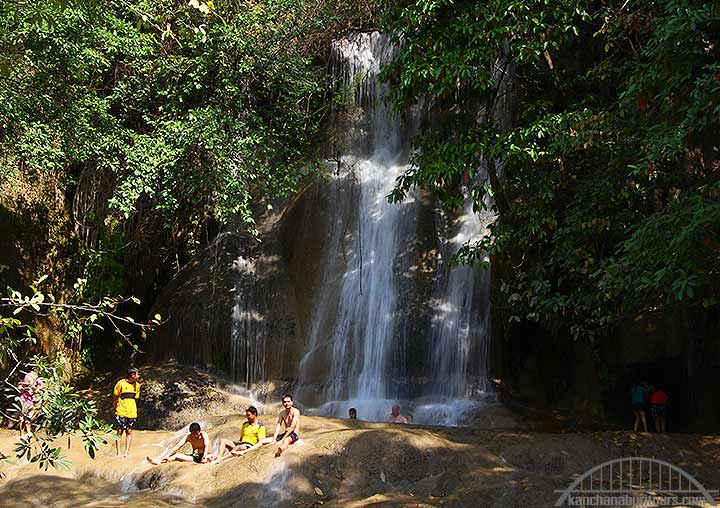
[(59, 410), (130, 130), (187, 106), (181, 115), (608, 189)]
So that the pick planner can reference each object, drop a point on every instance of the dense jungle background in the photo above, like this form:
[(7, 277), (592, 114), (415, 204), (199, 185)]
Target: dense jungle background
[(134, 134)]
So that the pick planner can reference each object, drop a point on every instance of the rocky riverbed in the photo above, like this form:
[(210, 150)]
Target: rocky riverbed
[(343, 463), (504, 460)]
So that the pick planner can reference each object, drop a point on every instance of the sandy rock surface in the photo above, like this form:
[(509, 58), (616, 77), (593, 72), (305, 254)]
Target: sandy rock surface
[(497, 463), (173, 395), (343, 463)]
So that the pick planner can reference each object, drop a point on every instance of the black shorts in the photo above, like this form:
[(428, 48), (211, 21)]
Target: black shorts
[(658, 410), (243, 443), (638, 407), (293, 437), (124, 423), (197, 457)]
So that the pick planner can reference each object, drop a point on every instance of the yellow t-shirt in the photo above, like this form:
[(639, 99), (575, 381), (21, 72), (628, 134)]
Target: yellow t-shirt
[(126, 393), (252, 432)]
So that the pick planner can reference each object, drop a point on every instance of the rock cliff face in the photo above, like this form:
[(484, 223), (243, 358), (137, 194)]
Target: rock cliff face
[(247, 305), (590, 383), (233, 308)]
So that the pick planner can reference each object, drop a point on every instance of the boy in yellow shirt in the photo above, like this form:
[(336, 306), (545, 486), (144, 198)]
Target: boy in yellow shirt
[(252, 436), (125, 394)]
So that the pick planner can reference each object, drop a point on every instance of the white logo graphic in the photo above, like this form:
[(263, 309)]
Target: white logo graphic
[(636, 481)]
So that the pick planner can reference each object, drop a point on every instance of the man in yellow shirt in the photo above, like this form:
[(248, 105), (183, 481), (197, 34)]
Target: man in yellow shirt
[(125, 394), (252, 436)]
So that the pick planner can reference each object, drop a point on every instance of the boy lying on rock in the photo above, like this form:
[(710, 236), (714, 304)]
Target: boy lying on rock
[(200, 443)]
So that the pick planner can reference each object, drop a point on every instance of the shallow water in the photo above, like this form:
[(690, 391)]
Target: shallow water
[(424, 411), (45, 491)]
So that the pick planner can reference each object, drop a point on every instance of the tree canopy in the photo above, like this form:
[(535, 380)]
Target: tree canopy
[(609, 193)]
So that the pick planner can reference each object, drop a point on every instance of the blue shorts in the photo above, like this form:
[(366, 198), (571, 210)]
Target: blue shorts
[(124, 423)]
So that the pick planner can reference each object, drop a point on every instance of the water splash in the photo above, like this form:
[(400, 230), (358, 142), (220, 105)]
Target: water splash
[(277, 491), (423, 411)]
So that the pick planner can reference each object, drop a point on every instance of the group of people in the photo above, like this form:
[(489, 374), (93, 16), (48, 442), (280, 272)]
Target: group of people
[(253, 434), (252, 437), (643, 395)]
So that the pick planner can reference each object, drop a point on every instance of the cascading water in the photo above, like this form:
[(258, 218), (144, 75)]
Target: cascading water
[(247, 346), (461, 324), (358, 344), (360, 319)]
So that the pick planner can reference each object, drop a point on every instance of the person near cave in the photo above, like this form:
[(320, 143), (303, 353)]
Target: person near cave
[(639, 399), (290, 419), (352, 413), (125, 396), (658, 409), (252, 436), (200, 443)]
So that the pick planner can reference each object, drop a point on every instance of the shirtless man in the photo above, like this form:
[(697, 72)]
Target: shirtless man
[(395, 416), (200, 443), (290, 419)]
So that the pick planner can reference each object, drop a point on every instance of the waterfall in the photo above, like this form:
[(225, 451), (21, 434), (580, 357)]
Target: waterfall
[(358, 343), (458, 356), (249, 329), (354, 324)]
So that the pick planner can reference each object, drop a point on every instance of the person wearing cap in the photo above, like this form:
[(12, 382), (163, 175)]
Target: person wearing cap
[(125, 395)]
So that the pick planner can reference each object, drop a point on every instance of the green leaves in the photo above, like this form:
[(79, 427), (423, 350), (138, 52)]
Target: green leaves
[(58, 411), (198, 109), (608, 195)]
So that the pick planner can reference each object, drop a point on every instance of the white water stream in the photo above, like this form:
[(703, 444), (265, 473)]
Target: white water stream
[(357, 340)]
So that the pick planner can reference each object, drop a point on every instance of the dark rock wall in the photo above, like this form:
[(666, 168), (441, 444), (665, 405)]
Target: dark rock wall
[(279, 284), (590, 383)]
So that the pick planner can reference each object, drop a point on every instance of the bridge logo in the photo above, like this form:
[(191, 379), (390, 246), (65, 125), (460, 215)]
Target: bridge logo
[(636, 481)]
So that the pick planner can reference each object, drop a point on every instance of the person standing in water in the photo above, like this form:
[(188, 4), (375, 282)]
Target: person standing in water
[(125, 395), (289, 419), (395, 416)]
